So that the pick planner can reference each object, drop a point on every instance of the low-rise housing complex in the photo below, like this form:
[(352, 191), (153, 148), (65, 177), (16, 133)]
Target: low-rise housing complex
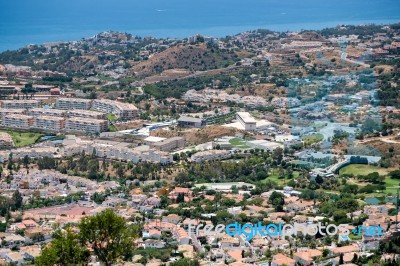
[(50, 123), (46, 112), (93, 126), (86, 114), (19, 104), (169, 144), (17, 121), (121, 110), (5, 112), (73, 103)]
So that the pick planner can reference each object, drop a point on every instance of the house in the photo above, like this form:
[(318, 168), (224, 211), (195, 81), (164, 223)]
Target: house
[(14, 258), (13, 239), (153, 201), (344, 249), (172, 218), (280, 260), (181, 236), (306, 257), (347, 258), (138, 198), (152, 233), (187, 193), (280, 244), (229, 242), (255, 210), (300, 219), (152, 243), (30, 252), (299, 206)]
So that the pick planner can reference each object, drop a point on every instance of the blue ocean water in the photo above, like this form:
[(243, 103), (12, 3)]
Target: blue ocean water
[(25, 22)]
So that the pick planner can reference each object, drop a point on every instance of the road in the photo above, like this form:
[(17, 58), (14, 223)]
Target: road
[(343, 56)]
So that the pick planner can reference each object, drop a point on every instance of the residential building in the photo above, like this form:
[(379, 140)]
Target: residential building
[(6, 141), (186, 192), (182, 236), (306, 257), (51, 123), (152, 243), (247, 121), (19, 104), (46, 112), (157, 156), (5, 112), (73, 103), (121, 110), (86, 114), (17, 121), (87, 125), (169, 144), (280, 260), (187, 121)]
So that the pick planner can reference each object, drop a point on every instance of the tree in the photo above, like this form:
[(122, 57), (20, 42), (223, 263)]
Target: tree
[(108, 235), (10, 161), (65, 249), (395, 174), (277, 200), (26, 161), (277, 155), (319, 179), (341, 260), (17, 199), (180, 198), (185, 262)]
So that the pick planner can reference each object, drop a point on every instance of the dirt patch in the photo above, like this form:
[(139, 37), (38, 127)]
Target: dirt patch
[(197, 136)]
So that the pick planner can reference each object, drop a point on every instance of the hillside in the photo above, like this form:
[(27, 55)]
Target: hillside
[(198, 57)]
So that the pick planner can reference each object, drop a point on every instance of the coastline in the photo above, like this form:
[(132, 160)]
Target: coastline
[(14, 41)]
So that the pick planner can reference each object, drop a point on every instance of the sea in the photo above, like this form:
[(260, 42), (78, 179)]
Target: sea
[(24, 22)]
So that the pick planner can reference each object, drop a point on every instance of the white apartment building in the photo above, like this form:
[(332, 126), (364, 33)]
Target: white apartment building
[(157, 157), (51, 123), (73, 103), (17, 121), (111, 151), (86, 114), (247, 121), (122, 110), (87, 125), (36, 152), (46, 112), (169, 144), (4, 112), (19, 104)]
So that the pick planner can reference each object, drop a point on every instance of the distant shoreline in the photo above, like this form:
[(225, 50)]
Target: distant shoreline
[(218, 32)]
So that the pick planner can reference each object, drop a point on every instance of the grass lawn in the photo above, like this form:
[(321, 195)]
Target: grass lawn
[(392, 185), (24, 138), (363, 169), (274, 177), (112, 117), (112, 128), (312, 138), (239, 143)]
